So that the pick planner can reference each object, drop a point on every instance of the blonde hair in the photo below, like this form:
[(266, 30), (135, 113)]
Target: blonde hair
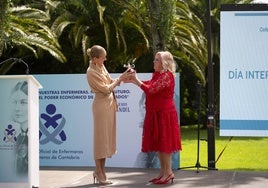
[(95, 51), (168, 62)]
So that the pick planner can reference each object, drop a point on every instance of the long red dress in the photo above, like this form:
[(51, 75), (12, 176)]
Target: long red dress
[(161, 129)]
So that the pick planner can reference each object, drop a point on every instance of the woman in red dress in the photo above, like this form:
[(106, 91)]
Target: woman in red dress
[(161, 129)]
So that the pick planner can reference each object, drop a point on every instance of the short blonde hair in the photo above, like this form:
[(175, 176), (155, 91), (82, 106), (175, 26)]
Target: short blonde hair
[(168, 62)]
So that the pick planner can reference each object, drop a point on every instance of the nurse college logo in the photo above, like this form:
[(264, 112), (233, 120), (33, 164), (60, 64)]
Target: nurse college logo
[(51, 126), (10, 134)]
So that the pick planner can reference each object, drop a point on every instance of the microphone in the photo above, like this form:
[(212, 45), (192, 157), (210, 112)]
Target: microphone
[(21, 61), (17, 60)]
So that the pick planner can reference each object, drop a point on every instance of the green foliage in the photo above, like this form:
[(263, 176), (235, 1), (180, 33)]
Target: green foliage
[(107, 23), (27, 27), (190, 41), (161, 20), (4, 5)]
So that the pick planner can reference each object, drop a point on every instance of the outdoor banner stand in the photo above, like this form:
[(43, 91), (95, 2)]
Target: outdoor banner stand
[(19, 161)]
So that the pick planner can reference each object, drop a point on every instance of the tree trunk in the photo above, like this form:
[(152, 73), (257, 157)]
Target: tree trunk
[(161, 14), (154, 15)]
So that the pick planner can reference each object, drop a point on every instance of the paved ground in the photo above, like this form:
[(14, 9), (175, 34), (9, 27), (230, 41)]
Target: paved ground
[(132, 177)]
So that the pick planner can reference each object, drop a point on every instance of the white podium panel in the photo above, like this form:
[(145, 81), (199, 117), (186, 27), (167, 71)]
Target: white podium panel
[(19, 131)]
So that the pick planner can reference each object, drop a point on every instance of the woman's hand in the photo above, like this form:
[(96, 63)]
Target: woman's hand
[(133, 78), (125, 76)]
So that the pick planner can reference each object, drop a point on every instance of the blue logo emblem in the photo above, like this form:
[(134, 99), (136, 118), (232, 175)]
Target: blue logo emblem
[(10, 134), (52, 129)]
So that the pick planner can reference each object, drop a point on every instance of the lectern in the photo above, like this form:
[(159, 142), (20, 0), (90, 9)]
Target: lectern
[(19, 131)]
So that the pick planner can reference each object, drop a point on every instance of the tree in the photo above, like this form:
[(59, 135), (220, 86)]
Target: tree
[(161, 14), (25, 27), (107, 23), (3, 15)]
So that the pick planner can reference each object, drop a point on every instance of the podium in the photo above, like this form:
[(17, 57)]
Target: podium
[(19, 131)]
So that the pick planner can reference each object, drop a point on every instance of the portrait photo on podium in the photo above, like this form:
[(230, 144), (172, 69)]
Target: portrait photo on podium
[(19, 117)]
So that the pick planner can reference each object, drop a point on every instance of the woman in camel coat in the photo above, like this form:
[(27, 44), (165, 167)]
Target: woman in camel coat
[(104, 110)]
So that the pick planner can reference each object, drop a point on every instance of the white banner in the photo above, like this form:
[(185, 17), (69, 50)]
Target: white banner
[(66, 123), (244, 71)]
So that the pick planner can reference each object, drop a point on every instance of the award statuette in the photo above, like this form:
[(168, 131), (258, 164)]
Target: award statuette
[(130, 64)]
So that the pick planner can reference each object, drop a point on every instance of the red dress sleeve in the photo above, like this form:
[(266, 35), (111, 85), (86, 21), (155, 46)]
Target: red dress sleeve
[(157, 84)]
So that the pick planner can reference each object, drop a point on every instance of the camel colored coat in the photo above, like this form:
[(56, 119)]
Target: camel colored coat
[(104, 108)]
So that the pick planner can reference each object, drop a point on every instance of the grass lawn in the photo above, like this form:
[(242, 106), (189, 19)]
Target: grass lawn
[(241, 153)]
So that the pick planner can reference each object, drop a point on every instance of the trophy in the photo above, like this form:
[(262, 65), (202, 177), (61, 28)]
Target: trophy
[(130, 64)]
